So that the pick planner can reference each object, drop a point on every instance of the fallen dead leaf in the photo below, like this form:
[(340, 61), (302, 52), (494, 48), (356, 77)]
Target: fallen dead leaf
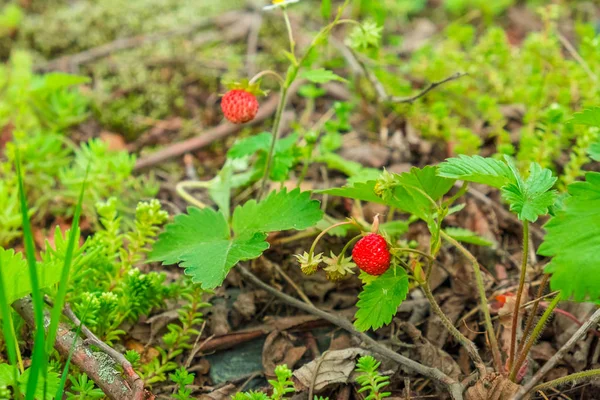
[(428, 354), (492, 387), (113, 140), (280, 349), (333, 367)]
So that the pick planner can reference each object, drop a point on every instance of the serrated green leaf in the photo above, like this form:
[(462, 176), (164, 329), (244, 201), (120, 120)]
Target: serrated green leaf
[(364, 191), (589, 117), (250, 145), (467, 236), (414, 192), (532, 197), (379, 300), (477, 169), (394, 228), (418, 190), (573, 241), (594, 151), (7, 375), (278, 212), (201, 241), (321, 75), (16, 276)]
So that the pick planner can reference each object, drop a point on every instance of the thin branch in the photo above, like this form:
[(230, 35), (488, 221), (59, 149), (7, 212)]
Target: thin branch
[(266, 110), (429, 88), (71, 62), (132, 377), (577, 336), (455, 388), (462, 339), (106, 377)]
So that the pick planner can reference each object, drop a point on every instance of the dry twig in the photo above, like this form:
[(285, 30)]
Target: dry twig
[(103, 373), (454, 388)]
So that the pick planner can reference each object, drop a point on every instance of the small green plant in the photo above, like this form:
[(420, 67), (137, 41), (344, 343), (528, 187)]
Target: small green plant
[(370, 380), (182, 378), (83, 388), (281, 386)]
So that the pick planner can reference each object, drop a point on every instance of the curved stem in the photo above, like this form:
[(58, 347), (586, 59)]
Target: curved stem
[(324, 231), (350, 243), (462, 339), (265, 73), (516, 313), (288, 26), (592, 373), (181, 187), (537, 331), (482, 299), (275, 131)]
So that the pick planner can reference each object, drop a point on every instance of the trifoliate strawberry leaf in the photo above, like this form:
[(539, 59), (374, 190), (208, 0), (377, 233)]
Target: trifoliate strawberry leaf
[(415, 192), (321, 75), (477, 169), (15, 275), (278, 212), (467, 236), (202, 243), (589, 117), (379, 300), (531, 197), (573, 241)]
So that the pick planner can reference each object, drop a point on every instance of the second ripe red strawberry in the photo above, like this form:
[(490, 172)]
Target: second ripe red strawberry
[(239, 106), (371, 254)]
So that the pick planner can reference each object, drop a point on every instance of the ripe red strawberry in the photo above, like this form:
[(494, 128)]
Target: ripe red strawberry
[(371, 254), (239, 106)]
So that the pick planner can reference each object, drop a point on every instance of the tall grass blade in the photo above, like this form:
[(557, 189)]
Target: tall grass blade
[(61, 295), (38, 358), (7, 328)]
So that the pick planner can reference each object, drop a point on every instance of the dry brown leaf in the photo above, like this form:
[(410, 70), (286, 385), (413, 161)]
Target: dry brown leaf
[(333, 367), (280, 349), (492, 387), (428, 354)]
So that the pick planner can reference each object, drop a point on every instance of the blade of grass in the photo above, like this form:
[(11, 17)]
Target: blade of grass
[(38, 358), (61, 295), (65, 374), (9, 333)]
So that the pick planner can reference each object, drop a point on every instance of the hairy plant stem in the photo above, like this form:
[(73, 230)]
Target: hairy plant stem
[(275, 131), (516, 313), (592, 373), (454, 388), (531, 318), (462, 339), (577, 336), (537, 331), (482, 299)]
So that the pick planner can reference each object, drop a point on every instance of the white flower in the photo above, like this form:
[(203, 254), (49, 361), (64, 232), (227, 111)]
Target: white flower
[(279, 3)]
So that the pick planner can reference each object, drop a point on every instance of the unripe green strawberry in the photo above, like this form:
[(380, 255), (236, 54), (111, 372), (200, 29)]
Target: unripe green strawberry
[(371, 254), (239, 106)]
